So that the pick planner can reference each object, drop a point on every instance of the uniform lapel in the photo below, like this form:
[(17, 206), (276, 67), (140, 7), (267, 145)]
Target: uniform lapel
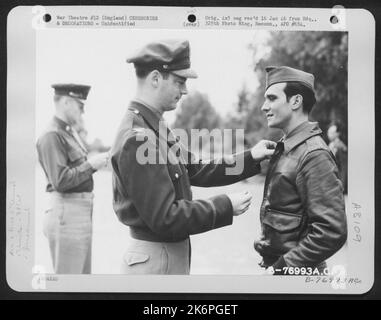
[(64, 126), (165, 134)]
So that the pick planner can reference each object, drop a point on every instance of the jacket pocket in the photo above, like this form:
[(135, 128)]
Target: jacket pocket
[(281, 231), (134, 258), (282, 221), (74, 155)]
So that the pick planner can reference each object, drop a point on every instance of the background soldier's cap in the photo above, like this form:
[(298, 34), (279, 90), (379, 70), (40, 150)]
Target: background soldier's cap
[(287, 74), (77, 91), (167, 55)]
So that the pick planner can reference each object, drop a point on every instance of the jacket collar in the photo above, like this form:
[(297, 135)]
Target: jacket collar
[(148, 113), (66, 127), (61, 124), (300, 134), (154, 119)]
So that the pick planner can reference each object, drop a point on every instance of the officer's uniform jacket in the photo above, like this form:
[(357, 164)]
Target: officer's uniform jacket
[(64, 159), (303, 214), (155, 200)]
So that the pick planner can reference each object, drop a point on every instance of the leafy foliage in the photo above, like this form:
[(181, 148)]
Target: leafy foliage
[(196, 112)]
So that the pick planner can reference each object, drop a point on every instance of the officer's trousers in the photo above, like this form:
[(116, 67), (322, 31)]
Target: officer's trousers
[(68, 227), (147, 257)]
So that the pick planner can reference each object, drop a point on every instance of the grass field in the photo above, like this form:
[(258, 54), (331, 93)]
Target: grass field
[(227, 250)]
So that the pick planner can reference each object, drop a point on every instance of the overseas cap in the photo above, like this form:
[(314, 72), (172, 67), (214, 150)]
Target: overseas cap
[(167, 55), (77, 91), (287, 74)]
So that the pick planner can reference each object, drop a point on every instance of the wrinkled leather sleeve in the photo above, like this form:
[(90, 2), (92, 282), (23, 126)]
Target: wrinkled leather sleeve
[(152, 192), (321, 192)]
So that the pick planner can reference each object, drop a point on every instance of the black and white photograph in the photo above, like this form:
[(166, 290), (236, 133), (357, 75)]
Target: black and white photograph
[(223, 153)]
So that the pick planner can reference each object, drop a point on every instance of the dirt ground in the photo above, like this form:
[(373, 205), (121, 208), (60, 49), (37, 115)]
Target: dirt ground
[(223, 251)]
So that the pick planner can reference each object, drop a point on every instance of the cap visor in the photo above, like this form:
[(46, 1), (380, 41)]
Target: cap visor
[(79, 100), (185, 73)]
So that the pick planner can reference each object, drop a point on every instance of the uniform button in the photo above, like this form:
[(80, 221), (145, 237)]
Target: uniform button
[(176, 175), (136, 111)]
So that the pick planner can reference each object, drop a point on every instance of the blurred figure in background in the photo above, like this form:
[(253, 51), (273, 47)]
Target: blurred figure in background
[(340, 150), (63, 157)]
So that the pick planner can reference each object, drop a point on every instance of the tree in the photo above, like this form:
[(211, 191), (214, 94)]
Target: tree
[(196, 112)]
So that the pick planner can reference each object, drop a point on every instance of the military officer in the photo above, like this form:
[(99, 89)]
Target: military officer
[(155, 199), (302, 215), (63, 157)]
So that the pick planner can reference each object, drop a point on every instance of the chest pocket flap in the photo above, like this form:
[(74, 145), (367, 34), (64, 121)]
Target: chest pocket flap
[(75, 154)]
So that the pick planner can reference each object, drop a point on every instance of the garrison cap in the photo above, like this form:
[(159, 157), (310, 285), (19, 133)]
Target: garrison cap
[(77, 91), (167, 56), (287, 74)]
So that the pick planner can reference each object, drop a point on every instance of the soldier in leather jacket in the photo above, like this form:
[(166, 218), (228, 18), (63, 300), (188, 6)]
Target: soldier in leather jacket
[(302, 215)]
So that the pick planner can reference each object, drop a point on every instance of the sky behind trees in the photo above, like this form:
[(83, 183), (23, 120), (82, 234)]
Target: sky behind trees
[(230, 65), (98, 58)]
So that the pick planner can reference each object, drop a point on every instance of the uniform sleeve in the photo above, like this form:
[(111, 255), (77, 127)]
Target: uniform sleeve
[(321, 191), (54, 160), (151, 190), (220, 172)]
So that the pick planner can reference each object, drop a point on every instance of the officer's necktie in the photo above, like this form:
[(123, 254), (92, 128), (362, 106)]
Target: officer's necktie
[(272, 165), (78, 139), (278, 152), (273, 161)]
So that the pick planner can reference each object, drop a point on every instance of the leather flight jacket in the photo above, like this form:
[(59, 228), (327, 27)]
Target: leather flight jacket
[(302, 215)]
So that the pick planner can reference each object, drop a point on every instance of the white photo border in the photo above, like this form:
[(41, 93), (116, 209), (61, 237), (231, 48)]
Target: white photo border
[(22, 275)]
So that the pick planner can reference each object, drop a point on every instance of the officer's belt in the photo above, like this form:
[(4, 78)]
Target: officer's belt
[(147, 235)]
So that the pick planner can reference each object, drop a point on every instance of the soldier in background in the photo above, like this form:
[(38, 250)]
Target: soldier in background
[(340, 150), (63, 157)]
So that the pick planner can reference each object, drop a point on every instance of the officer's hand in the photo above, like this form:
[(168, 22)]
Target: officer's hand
[(99, 161), (241, 202), (264, 149)]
